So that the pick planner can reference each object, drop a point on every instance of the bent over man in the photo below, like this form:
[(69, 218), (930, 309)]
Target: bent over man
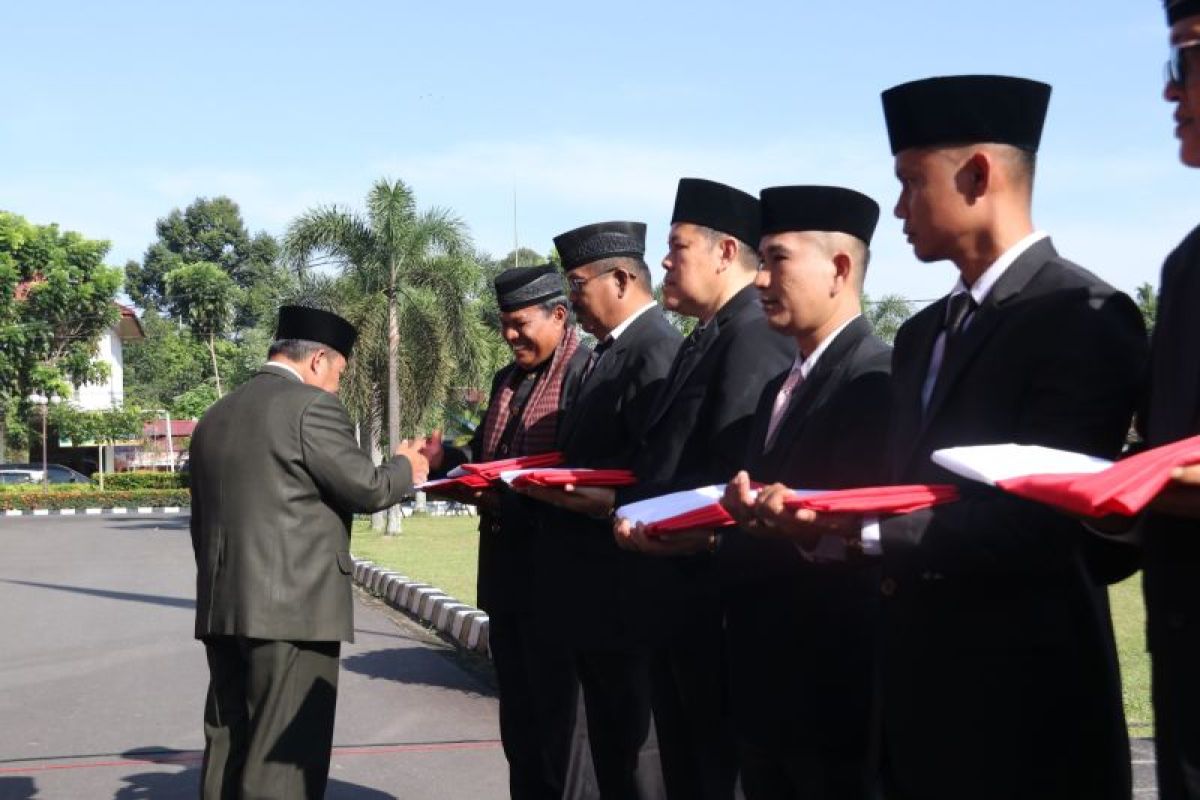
[(276, 477)]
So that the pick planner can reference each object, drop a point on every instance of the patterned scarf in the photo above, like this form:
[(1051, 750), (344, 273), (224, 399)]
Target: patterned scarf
[(539, 421)]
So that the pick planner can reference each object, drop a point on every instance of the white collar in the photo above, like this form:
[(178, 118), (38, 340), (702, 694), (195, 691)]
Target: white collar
[(807, 365), (992, 274), (617, 331), (281, 365)]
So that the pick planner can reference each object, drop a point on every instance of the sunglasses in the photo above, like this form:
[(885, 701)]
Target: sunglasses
[(1177, 65)]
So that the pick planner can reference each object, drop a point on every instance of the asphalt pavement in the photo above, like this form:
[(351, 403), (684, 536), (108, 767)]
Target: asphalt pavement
[(102, 685)]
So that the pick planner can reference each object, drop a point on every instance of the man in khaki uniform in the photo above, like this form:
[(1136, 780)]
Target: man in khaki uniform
[(276, 477)]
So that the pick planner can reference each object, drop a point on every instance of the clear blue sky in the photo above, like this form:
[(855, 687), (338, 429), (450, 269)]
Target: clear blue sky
[(117, 112)]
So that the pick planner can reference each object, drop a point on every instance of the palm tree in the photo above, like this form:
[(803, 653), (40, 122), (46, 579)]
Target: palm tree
[(886, 314), (410, 284), (1147, 303)]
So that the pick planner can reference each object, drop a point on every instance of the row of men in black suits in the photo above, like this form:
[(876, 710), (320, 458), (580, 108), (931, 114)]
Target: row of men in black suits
[(961, 651), (964, 651)]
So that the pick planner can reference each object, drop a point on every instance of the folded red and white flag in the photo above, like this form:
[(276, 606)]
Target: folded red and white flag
[(492, 469), (453, 485), (482, 474), (565, 476), (679, 511), (903, 499), (701, 508), (1073, 482)]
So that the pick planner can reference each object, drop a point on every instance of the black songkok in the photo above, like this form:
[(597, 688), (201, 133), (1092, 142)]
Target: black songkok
[(527, 286), (966, 109), (818, 208), (602, 240), (1179, 9), (717, 206), (315, 325)]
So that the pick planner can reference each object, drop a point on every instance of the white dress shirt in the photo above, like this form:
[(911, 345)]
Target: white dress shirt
[(617, 331)]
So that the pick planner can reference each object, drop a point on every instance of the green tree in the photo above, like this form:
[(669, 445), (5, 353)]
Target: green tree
[(203, 295), (56, 301), (1147, 303), (212, 231), (886, 314), (161, 370), (521, 257), (163, 364), (409, 284), (192, 403), (102, 428)]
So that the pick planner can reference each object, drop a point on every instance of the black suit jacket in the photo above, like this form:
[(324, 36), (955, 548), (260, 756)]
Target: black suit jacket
[(577, 562), (696, 432), (505, 572), (695, 435), (801, 635), (1172, 544), (999, 674)]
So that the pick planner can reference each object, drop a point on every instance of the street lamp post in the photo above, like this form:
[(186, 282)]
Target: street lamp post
[(44, 401), (170, 441)]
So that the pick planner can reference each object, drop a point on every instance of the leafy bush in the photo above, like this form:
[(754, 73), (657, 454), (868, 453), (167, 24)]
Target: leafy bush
[(143, 480), (55, 499), (36, 488)]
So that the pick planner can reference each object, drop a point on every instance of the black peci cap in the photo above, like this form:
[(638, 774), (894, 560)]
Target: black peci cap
[(527, 286), (717, 206), (1181, 9), (315, 325), (818, 208), (601, 240), (966, 109)]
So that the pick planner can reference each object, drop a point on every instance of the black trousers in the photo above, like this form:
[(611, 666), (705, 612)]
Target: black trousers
[(616, 697), (803, 772), (538, 696), (268, 718), (1176, 694), (692, 712)]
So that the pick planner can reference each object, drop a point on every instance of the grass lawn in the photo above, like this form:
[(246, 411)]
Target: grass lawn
[(1129, 622), (442, 551)]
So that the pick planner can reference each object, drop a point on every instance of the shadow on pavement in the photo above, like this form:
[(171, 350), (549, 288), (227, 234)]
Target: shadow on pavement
[(166, 523), (17, 788), (388, 634), (186, 784), (154, 599), (418, 666)]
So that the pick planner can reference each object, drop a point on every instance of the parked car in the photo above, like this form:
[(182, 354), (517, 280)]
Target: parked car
[(56, 473), (11, 476)]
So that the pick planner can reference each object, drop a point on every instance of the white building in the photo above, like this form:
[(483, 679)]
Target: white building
[(98, 396)]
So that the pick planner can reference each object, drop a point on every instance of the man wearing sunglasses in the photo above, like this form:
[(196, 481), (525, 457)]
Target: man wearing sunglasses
[(1170, 533)]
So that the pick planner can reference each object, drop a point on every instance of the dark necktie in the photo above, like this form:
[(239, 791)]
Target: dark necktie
[(958, 311), (597, 352)]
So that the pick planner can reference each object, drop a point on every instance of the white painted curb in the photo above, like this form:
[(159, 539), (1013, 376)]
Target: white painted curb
[(68, 512), (468, 626)]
